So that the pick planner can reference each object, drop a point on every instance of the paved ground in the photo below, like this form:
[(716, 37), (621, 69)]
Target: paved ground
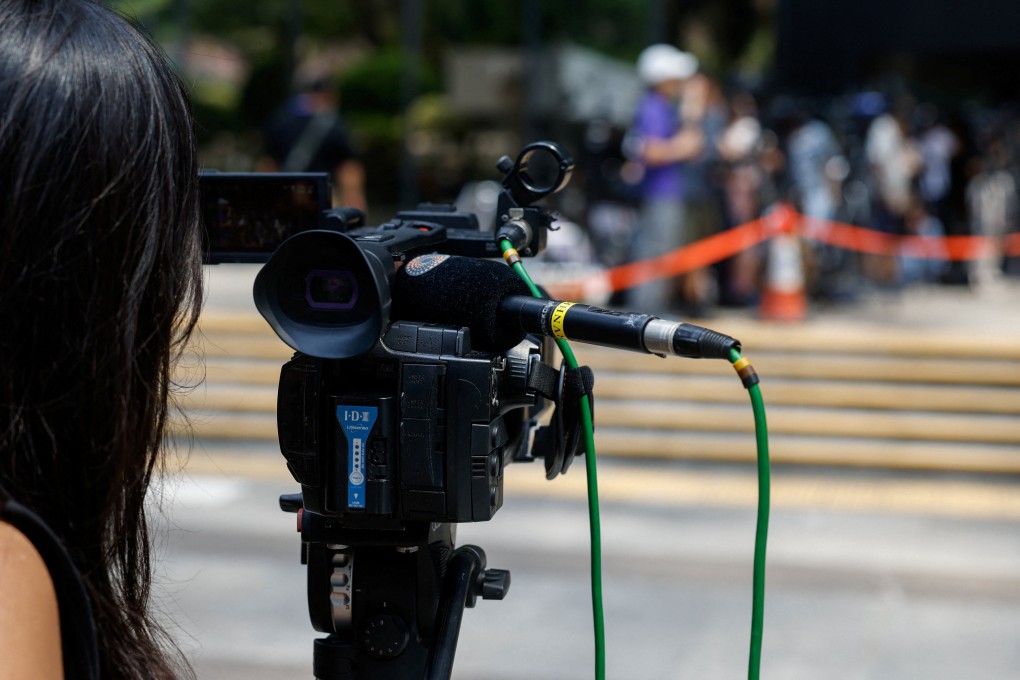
[(859, 585), (872, 575)]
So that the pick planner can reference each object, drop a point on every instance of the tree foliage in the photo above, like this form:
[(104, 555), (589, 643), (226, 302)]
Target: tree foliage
[(272, 37)]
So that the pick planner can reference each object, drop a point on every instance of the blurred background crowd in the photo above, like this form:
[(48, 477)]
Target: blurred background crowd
[(898, 117), (887, 160)]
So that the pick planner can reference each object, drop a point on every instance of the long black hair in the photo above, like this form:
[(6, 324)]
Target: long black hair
[(100, 285)]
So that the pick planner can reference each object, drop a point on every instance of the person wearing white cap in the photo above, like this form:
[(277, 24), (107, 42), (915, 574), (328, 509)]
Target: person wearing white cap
[(661, 144)]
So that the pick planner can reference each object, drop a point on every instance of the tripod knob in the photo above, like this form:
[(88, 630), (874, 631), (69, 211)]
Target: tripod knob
[(384, 636), (493, 584), (291, 502)]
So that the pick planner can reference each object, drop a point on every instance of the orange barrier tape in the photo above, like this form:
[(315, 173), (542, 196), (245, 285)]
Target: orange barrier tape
[(784, 219), (690, 257), (862, 239)]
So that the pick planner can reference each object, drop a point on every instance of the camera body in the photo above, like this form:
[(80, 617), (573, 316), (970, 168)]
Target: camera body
[(385, 423), (419, 429)]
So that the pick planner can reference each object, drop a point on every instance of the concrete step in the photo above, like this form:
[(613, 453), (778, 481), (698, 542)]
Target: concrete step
[(839, 338), (728, 446), (836, 395), (822, 393), (224, 374), (693, 416), (878, 367)]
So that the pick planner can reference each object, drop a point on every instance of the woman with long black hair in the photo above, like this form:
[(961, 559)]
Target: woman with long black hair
[(100, 286)]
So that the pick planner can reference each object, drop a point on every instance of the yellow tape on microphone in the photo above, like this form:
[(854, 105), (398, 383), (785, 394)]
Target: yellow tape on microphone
[(556, 322)]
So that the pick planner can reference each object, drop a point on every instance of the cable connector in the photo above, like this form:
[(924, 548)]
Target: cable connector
[(511, 256), (516, 229), (677, 338), (744, 369)]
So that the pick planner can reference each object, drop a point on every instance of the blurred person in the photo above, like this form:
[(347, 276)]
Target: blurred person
[(307, 134), (993, 206), (923, 258), (661, 143), (813, 152), (611, 213), (703, 107), (938, 145), (811, 144), (852, 205), (740, 148), (740, 142), (101, 277), (894, 161)]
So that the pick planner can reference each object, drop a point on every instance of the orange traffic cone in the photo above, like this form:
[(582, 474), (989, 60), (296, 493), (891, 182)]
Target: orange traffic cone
[(783, 297)]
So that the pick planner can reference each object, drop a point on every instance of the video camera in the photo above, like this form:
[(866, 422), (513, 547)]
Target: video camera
[(397, 424)]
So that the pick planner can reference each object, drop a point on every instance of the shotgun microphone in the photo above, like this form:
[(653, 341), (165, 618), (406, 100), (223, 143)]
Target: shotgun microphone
[(493, 302)]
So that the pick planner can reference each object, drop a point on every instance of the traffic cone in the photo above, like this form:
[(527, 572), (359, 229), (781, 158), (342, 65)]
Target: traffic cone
[(783, 297)]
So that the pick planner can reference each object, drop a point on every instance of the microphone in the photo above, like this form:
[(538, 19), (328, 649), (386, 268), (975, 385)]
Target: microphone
[(459, 291), (494, 303), (620, 330)]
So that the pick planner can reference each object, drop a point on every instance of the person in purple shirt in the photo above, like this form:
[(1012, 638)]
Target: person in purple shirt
[(661, 142)]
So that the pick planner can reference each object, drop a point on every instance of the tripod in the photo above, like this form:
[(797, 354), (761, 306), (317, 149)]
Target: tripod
[(391, 602)]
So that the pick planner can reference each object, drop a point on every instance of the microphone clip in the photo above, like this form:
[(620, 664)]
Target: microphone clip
[(562, 439)]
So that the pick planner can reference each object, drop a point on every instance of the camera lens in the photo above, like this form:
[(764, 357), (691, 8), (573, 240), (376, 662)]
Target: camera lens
[(331, 289)]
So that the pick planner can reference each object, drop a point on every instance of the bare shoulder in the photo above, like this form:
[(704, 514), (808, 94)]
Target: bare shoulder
[(29, 619)]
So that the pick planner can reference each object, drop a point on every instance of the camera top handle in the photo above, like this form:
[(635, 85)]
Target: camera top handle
[(541, 169)]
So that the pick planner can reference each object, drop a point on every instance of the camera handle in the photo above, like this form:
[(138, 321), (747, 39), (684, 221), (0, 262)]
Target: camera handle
[(393, 608)]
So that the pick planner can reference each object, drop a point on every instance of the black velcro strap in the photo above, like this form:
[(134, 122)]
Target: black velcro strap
[(580, 381), (543, 380)]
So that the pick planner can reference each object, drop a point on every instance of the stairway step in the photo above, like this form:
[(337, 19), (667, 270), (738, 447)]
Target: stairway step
[(227, 371), (758, 337), (249, 346), (231, 398), (841, 396), (260, 361), (221, 425), (712, 447), (849, 368), (247, 386), (827, 451), (849, 423), (822, 393), (871, 340), (696, 416)]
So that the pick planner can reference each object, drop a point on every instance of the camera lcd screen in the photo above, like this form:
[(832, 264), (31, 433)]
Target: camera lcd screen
[(248, 215)]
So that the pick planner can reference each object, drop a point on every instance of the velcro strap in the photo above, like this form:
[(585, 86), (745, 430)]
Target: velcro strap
[(580, 381), (543, 380)]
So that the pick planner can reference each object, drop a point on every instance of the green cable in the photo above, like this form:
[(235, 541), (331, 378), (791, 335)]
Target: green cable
[(764, 494), (593, 488), (761, 532)]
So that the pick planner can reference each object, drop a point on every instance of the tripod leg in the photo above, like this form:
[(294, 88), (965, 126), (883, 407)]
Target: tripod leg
[(333, 659), (466, 579)]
